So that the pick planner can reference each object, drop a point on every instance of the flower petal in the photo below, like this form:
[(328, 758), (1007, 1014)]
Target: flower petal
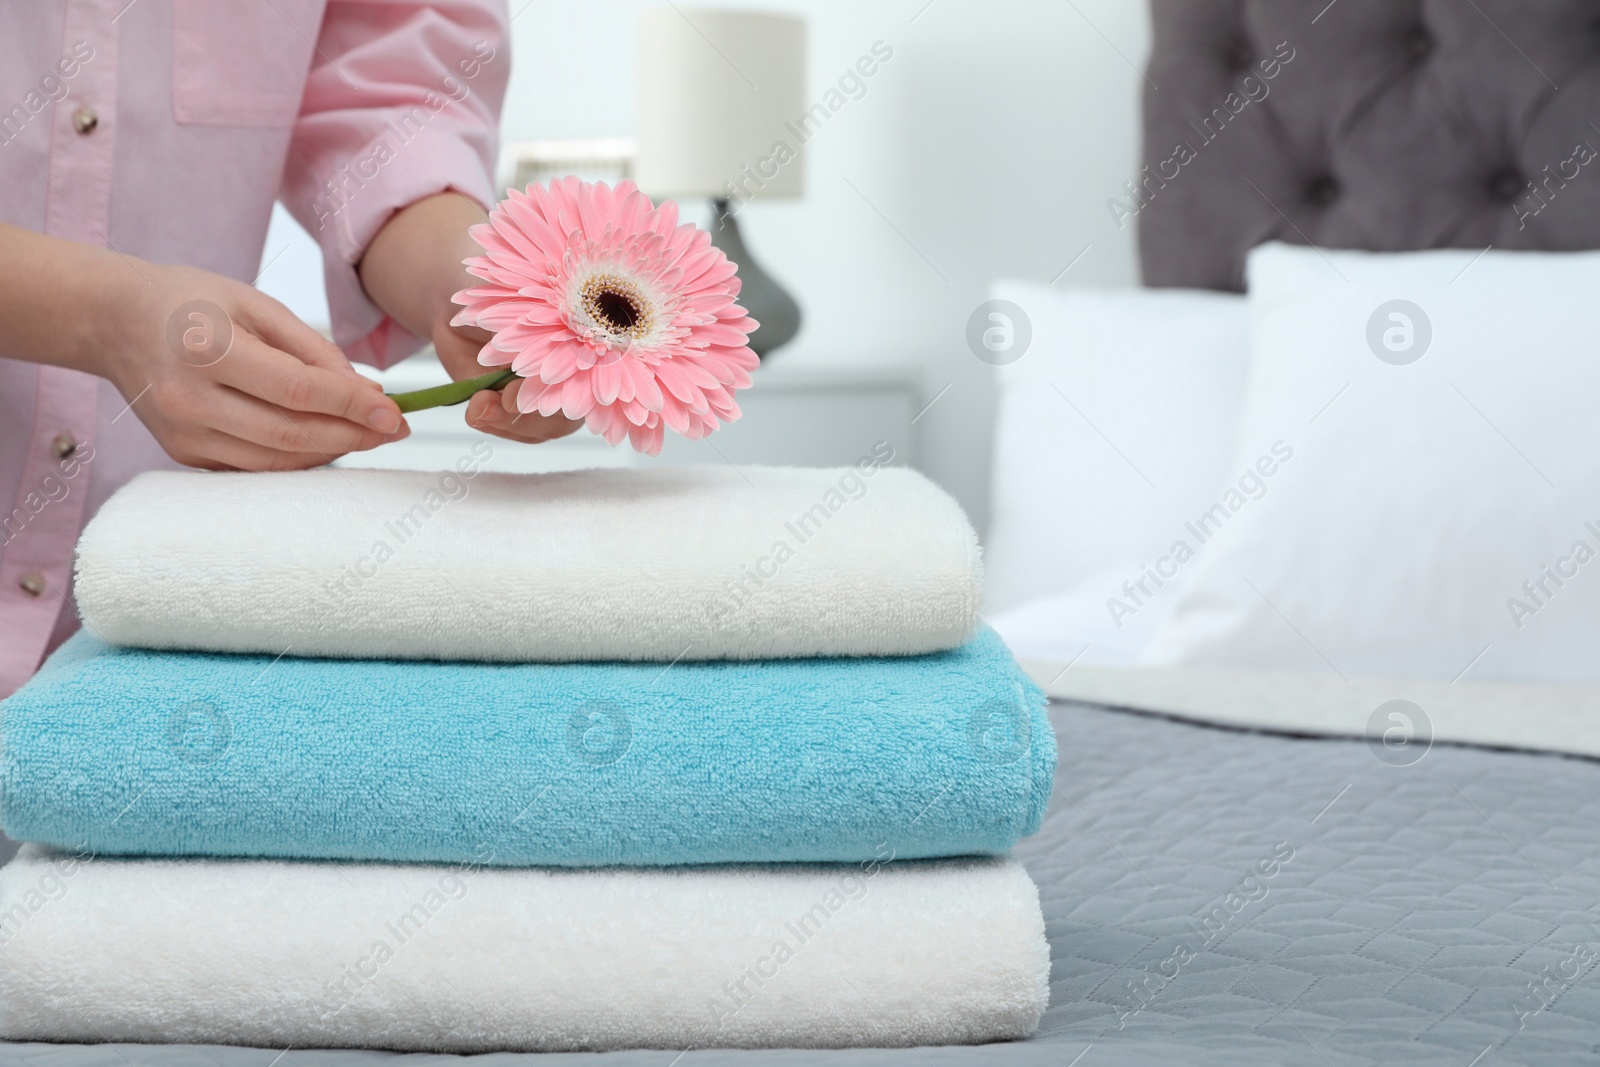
[(577, 397), (646, 439)]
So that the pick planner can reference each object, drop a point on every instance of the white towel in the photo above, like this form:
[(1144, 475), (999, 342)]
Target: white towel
[(471, 959), (692, 563)]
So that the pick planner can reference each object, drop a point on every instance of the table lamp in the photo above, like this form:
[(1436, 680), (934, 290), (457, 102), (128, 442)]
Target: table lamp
[(721, 114)]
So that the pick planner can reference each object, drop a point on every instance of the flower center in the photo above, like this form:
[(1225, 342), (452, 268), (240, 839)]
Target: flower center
[(617, 306)]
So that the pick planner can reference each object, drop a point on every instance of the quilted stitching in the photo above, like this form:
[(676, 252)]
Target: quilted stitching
[(1418, 907)]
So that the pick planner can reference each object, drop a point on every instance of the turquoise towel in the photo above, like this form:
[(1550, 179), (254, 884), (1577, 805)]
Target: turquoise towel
[(139, 752)]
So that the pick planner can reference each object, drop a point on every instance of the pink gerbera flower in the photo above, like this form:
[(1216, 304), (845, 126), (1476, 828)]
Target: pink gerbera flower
[(611, 311)]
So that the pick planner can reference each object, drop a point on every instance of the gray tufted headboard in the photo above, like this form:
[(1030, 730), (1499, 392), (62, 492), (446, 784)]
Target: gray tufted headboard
[(1377, 124)]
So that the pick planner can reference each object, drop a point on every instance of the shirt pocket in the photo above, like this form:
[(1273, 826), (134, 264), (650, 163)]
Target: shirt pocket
[(241, 64)]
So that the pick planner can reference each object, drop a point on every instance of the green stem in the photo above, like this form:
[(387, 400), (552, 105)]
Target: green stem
[(442, 396)]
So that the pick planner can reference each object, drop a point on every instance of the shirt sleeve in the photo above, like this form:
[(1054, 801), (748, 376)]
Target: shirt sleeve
[(402, 101)]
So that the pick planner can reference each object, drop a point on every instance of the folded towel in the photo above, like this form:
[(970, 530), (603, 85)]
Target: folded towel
[(162, 753), (467, 959), (664, 564)]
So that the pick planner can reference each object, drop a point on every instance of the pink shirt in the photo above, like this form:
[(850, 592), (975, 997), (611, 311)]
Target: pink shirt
[(165, 129)]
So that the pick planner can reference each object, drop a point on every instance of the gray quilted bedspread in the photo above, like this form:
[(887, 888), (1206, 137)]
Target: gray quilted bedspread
[(1223, 897)]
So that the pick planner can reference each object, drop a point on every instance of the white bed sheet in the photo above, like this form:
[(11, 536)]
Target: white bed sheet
[(1547, 718)]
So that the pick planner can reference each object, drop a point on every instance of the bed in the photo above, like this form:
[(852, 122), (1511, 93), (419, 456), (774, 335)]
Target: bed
[(1431, 913), (1274, 887)]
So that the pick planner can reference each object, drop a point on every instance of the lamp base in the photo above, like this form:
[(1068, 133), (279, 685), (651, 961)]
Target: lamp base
[(759, 293)]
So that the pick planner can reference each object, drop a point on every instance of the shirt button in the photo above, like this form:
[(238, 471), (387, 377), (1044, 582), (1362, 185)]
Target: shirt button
[(31, 583), (84, 120), (63, 446)]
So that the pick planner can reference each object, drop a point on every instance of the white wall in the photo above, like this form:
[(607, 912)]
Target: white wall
[(990, 142)]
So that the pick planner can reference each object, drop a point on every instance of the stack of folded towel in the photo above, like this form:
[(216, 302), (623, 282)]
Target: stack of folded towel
[(460, 762)]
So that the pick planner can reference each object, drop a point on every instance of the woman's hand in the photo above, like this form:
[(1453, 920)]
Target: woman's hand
[(224, 376), (411, 269), (492, 411)]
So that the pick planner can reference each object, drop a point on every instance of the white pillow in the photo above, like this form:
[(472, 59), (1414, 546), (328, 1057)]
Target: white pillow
[(1444, 453), (1114, 427)]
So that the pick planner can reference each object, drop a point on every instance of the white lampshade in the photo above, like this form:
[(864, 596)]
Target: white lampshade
[(717, 94)]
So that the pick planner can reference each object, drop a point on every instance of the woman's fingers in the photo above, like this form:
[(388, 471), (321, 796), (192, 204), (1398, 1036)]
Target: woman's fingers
[(535, 426), (214, 450), (482, 410), (257, 369), (283, 330), (496, 413), (323, 437)]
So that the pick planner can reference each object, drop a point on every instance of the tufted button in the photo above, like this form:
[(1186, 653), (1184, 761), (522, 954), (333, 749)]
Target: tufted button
[(1506, 185), (1239, 55), (1418, 43), (1322, 190)]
